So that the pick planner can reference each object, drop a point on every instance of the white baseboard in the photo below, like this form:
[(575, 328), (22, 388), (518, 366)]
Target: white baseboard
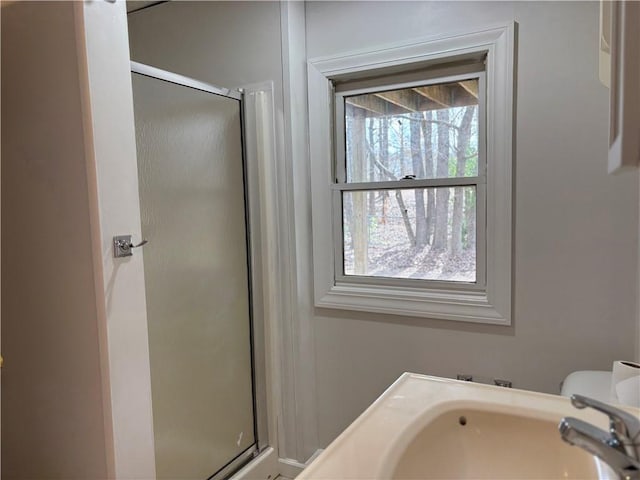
[(292, 468), (314, 456), (264, 467), (267, 466)]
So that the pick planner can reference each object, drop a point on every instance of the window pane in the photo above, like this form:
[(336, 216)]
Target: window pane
[(423, 233), (426, 132)]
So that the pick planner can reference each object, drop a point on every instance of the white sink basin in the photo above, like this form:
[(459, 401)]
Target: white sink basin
[(433, 428), (471, 443)]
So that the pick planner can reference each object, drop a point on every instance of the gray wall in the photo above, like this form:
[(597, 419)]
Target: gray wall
[(53, 423), (576, 228), (228, 44)]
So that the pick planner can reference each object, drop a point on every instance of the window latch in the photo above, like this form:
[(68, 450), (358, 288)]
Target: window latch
[(408, 177)]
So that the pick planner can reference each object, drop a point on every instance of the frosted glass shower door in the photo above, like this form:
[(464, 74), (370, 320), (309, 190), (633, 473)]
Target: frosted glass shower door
[(196, 275)]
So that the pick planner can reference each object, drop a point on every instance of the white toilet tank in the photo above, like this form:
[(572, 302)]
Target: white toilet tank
[(590, 383)]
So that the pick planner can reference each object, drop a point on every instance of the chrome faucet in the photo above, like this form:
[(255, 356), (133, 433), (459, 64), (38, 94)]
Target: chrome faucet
[(619, 448)]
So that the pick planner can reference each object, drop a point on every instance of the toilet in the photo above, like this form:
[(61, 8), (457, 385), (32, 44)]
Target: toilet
[(590, 383)]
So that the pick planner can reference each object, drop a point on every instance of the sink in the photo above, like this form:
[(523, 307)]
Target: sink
[(472, 443), (426, 427)]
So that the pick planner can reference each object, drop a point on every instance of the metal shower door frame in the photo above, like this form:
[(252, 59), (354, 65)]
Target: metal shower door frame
[(257, 335)]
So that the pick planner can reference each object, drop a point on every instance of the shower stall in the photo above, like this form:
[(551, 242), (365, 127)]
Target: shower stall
[(197, 264)]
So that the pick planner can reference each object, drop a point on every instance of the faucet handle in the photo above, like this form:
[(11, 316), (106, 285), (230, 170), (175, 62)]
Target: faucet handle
[(623, 426)]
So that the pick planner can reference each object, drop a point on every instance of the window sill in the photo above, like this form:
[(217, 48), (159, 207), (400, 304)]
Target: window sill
[(464, 306)]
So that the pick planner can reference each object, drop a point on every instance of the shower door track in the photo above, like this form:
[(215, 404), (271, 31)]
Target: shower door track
[(259, 409), (153, 72)]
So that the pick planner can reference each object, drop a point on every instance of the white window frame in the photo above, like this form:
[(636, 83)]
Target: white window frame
[(489, 303), (341, 184)]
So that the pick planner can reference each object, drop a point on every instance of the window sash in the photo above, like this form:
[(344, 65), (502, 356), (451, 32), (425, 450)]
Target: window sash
[(340, 131), (341, 185), (481, 236)]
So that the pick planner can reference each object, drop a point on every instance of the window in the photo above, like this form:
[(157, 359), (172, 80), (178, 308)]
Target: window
[(410, 181), (411, 178)]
